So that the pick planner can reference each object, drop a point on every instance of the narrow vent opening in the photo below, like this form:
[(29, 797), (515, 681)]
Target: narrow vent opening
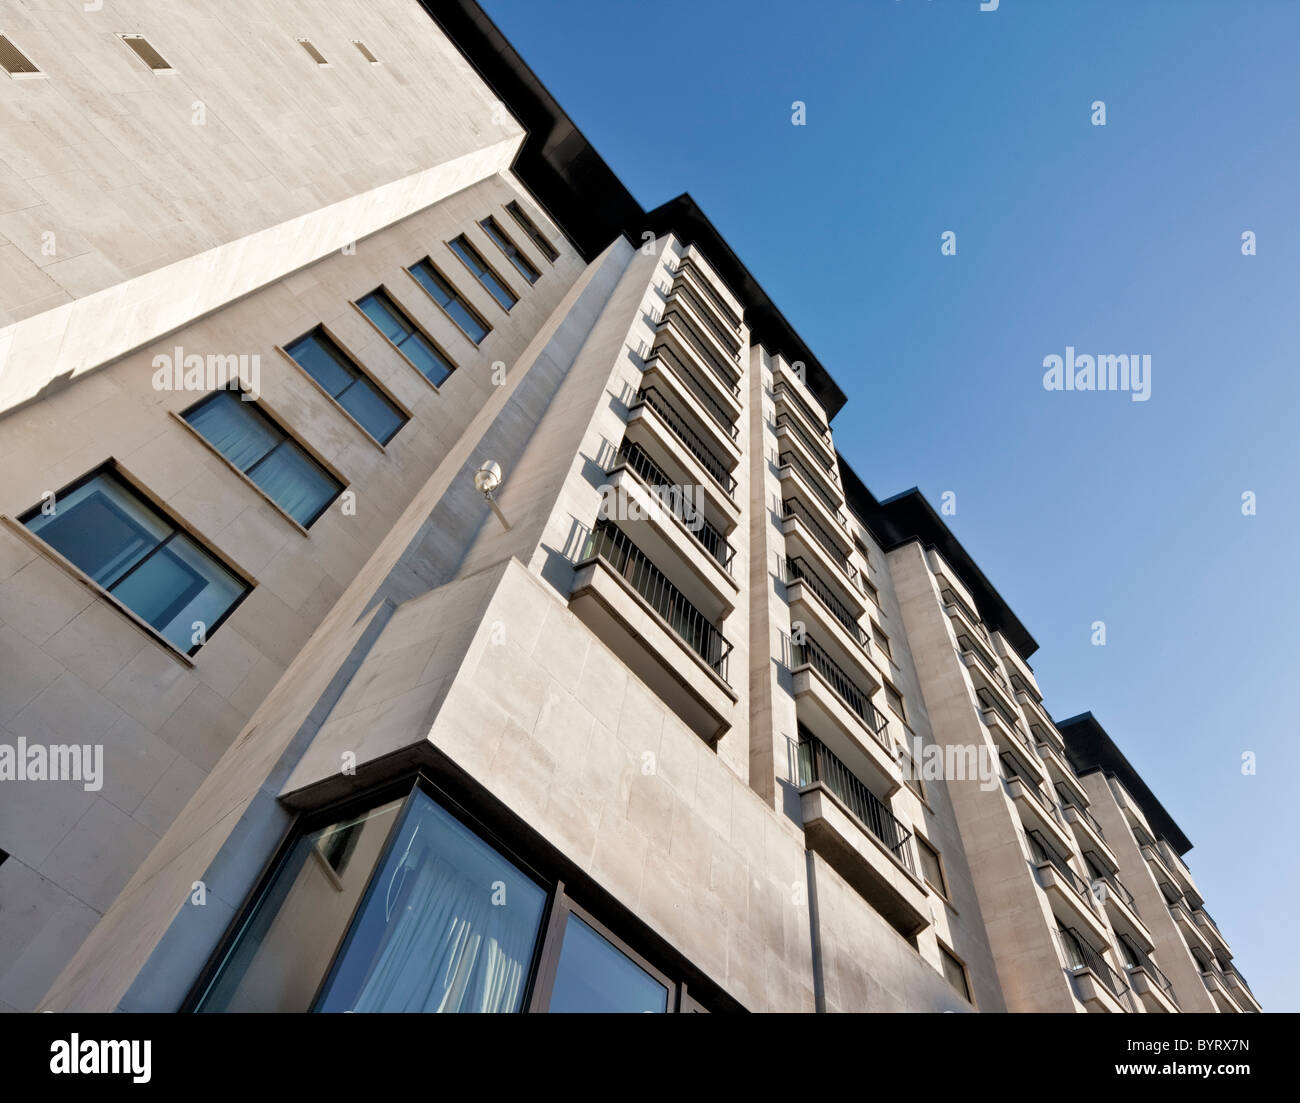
[(365, 52), (12, 60), (145, 52), (315, 54)]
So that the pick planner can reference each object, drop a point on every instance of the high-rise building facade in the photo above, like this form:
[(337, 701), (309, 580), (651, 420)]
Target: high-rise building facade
[(428, 581)]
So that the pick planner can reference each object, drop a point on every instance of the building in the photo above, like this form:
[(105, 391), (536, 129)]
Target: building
[(683, 718)]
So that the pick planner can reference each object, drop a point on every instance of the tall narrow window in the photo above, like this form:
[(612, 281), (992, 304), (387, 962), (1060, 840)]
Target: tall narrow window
[(525, 267), (312, 52), (140, 557), (145, 52), (365, 51), (13, 61), (451, 300), (931, 867), (483, 272), (534, 234), (895, 700), (955, 971), (389, 318), (330, 366), (258, 447), (882, 641)]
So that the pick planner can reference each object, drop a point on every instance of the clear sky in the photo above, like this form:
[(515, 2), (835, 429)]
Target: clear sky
[(929, 115)]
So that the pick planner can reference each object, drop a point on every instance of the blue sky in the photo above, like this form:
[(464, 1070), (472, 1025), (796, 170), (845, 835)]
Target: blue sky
[(929, 115)]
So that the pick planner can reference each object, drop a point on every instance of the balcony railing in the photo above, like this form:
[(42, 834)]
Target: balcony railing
[(789, 459), (818, 763), (688, 266), (648, 396), (701, 349), (670, 495), (1043, 851), (1112, 881), (1081, 954), (782, 388), (683, 372), (796, 569), (969, 646), (727, 338), (1067, 798), (951, 597), (1139, 959), (988, 701), (1013, 770), (818, 451), (792, 507), (811, 653), (628, 561)]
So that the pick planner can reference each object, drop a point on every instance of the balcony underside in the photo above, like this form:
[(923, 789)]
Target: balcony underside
[(863, 861), (1154, 998), (652, 650), (1066, 901), (1094, 995), (826, 715)]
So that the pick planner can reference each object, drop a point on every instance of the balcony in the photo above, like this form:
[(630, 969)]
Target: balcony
[(813, 601), (683, 386), (1240, 991), (1216, 983), (1191, 933), (789, 463), (685, 336), (1063, 774), (1134, 814), (1034, 801), (1004, 726), (837, 709), (1212, 934), (787, 397), (670, 496), (975, 655), (1097, 985), (1121, 905), (717, 469), (802, 529), (1068, 892), (1147, 982), (1182, 875), (1018, 667), (820, 456), (697, 272), (662, 637), (1086, 827), (854, 830), (696, 296)]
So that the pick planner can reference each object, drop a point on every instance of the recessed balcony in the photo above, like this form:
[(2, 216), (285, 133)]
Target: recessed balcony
[(813, 602), (789, 399), (837, 709), (806, 536), (1217, 985), (1086, 827), (798, 484), (1182, 875), (1240, 991), (1098, 986), (792, 436), (1151, 987), (1190, 931), (692, 402), (692, 294), (1120, 903), (854, 830), (1068, 892), (696, 271), (1006, 730), (653, 414), (662, 637), (1063, 775), (1134, 814), (1212, 934), (720, 372), (1033, 801)]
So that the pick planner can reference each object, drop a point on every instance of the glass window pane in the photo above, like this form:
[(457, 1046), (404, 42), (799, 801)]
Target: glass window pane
[(101, 527), (379, 310), (594, 975), (425, 358), (319, 357), (296, 482), (522, 264), (467, 320), (178, 585), (486, 276), (952, 969), (433, 283), (450, 300), (379, 417), (234, 428), (285, 948), (447, 925)]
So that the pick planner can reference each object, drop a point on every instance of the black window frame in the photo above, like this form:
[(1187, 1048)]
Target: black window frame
[(111, 468), (259, 410)]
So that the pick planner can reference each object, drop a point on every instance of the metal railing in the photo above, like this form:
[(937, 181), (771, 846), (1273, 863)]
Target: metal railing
[(988, 701), (1043, 851), (951, 597), (628, 561), (784, 459), (1139, 959), (648, 396), (715, 409), (670, 495), (818, 422), (726, 337), (701, 277), (1067, 798), (811, 653), (818, 763), (700, 348), (796, 569), (1021, 686), (1081, 954), (1097, 869), (815, 449), (792, 507), (1014, 770), (971, 647)]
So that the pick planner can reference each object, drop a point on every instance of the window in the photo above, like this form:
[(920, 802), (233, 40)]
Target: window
[(389, 318), (873, 591), (365, 52), (103, 527), (525, 266), (451, 300), (932, 867), (405, 907), (882, 641), (956, 973), (494, 284), (257, 446), (535, 235), (318, 355), (312, 52), (895, 700), (862, 549), (13, 61), (145, 52)]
